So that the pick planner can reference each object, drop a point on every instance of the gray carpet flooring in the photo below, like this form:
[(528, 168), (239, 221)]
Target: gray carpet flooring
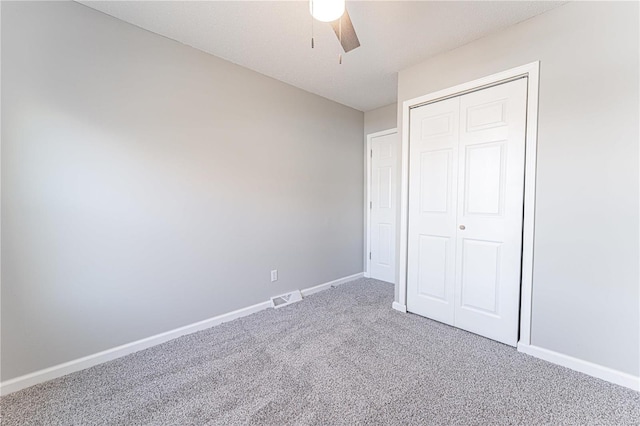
[(342, 356)]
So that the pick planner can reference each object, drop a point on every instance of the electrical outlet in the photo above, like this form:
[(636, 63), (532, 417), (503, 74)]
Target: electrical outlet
[(274, 275)]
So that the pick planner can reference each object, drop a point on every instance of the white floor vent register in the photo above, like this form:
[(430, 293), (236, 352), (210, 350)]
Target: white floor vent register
[(286, 299)]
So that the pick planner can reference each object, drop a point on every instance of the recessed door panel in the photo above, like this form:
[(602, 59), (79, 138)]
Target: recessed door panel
[(438, 125), (386, 147), (435, 172), (484, 178), (484, 116), (480, 275), (384, 187), (432, 269), (384, 238)]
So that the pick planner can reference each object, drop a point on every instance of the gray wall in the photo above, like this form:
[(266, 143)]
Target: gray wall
[(585, 289), (379, 119), (147, 185)]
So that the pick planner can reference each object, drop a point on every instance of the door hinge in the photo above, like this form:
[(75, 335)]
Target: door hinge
[(369, 255), (370, 204), (371, 153)]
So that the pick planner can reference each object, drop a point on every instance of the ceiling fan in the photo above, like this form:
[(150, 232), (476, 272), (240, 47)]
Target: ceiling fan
[(335, 13)]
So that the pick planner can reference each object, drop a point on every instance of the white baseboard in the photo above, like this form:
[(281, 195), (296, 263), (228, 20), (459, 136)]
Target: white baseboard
[(399, 307), (60, 370), (307, 291), (586, 367)]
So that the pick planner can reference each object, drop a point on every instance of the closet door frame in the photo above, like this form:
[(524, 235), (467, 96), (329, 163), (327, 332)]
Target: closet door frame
[(531, 71)]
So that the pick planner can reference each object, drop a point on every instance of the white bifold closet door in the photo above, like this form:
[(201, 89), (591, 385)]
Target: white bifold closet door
[(466, 189)]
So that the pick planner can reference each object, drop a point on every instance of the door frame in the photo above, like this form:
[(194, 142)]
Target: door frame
[(532, 71), (367, 201)]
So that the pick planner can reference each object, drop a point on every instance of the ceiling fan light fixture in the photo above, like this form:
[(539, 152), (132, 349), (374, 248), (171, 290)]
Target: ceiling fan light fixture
[(327, 10)]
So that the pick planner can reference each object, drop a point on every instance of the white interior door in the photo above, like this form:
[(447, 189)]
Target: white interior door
[(491, 195), (433, 164), (382, 229), (483, 193)]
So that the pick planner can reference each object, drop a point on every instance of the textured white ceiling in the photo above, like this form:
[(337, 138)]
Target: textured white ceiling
[(273, 37)]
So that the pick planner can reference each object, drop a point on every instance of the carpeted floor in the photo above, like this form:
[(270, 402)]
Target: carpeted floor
[(342, 356)]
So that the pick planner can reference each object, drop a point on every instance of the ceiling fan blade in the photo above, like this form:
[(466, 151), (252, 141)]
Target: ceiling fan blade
[(349, 39)]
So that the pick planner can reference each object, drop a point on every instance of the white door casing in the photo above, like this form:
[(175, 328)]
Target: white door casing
[(466, 181), (382, 147)]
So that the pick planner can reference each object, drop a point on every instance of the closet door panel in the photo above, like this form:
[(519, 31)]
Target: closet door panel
[(433, 165), (490, 208)]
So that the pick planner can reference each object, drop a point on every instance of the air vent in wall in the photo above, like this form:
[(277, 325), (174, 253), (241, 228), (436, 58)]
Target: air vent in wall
[(286, 299)]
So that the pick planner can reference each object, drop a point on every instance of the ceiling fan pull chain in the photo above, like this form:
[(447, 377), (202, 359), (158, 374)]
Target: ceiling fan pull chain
[(340, 37), (312, 41)]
